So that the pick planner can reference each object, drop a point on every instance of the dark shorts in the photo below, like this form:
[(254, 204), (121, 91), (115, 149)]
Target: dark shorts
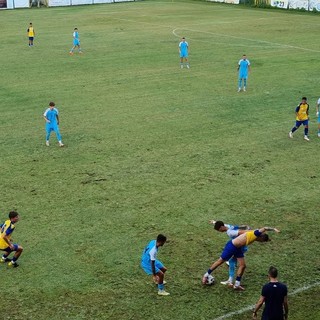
[(299, 123), (31, 38), (230, 250), (16, 246)]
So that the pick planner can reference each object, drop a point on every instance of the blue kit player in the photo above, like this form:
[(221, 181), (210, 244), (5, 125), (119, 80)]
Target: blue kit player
[(184, 52), (243, 68), (152, 266), (6, 244), (76, 41), (51, 116)]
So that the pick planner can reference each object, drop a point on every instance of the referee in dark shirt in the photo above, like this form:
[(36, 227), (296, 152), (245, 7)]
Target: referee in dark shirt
[(274, 295)]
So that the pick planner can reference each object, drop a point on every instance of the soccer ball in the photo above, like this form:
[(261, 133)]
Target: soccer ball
[(210, 280)]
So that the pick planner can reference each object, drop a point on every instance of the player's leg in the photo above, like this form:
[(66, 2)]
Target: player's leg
[(245, 82), (181, 61), (239, 83), (232, 268), (160, 271), (295, 128), (5, 256), (240, 272), (48, 133), (306, 130), (57, 131), (213, 267), (18, 250)]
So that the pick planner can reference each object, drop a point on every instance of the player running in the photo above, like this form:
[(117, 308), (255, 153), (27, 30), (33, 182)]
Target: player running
[(5, 240)]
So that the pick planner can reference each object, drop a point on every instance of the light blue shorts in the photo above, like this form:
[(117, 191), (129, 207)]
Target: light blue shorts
[(183, 54), (76, 42), (148, 270)]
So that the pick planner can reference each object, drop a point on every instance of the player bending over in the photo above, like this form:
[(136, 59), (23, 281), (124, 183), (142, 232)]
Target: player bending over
[(234, 248)]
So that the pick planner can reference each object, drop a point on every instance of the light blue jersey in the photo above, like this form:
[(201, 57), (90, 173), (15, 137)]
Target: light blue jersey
[(76, 38), (150, 254), (244, 68), (51, 115), (183, 46)]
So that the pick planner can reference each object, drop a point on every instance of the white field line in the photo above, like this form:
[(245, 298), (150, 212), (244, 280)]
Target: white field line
[(247, 39), (248, 308)]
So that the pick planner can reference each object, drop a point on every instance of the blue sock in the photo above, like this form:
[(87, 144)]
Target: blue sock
[(161, 286)]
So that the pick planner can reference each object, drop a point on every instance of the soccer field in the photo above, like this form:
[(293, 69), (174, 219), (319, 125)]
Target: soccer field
[(151, 148)]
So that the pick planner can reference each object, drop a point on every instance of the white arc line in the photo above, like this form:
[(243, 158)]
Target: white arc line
[(304, 288)]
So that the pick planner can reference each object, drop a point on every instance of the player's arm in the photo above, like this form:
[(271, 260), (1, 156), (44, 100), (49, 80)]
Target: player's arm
[(264, 229), (257, 307), (285, 306), (5, 237), (244, 227), (57, 119)]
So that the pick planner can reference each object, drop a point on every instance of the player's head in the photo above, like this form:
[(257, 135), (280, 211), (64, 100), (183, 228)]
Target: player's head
[(218, 225), (14, 216), (263, 238), (75, 29), (244, 56), (30, 24), (304, 99), (51, 104), (273, 272), (161, 239), (183, 39)]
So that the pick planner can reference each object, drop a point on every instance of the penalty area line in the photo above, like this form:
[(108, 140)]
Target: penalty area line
[(248, 308)]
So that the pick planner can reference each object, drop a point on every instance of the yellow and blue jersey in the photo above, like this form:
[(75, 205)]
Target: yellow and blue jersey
[(6, 230), (30, 32), (302, 112)]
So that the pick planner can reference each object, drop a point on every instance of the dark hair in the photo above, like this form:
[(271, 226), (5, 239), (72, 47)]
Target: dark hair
[(273, 272), (51, 104), (161, 238), (304, 98), (13, 214), (218, 225), (264, 237)]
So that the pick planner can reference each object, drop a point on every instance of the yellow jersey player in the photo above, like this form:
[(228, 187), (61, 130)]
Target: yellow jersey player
[(30, 33), (6, 244), (234, 248), (302, 118)]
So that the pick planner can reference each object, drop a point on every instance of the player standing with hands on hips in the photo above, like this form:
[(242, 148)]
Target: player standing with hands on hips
[(184, 52), (51, 116), (302, 118)]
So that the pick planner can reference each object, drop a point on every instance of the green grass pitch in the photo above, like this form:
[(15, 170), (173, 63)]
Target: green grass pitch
[(150, 148)]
